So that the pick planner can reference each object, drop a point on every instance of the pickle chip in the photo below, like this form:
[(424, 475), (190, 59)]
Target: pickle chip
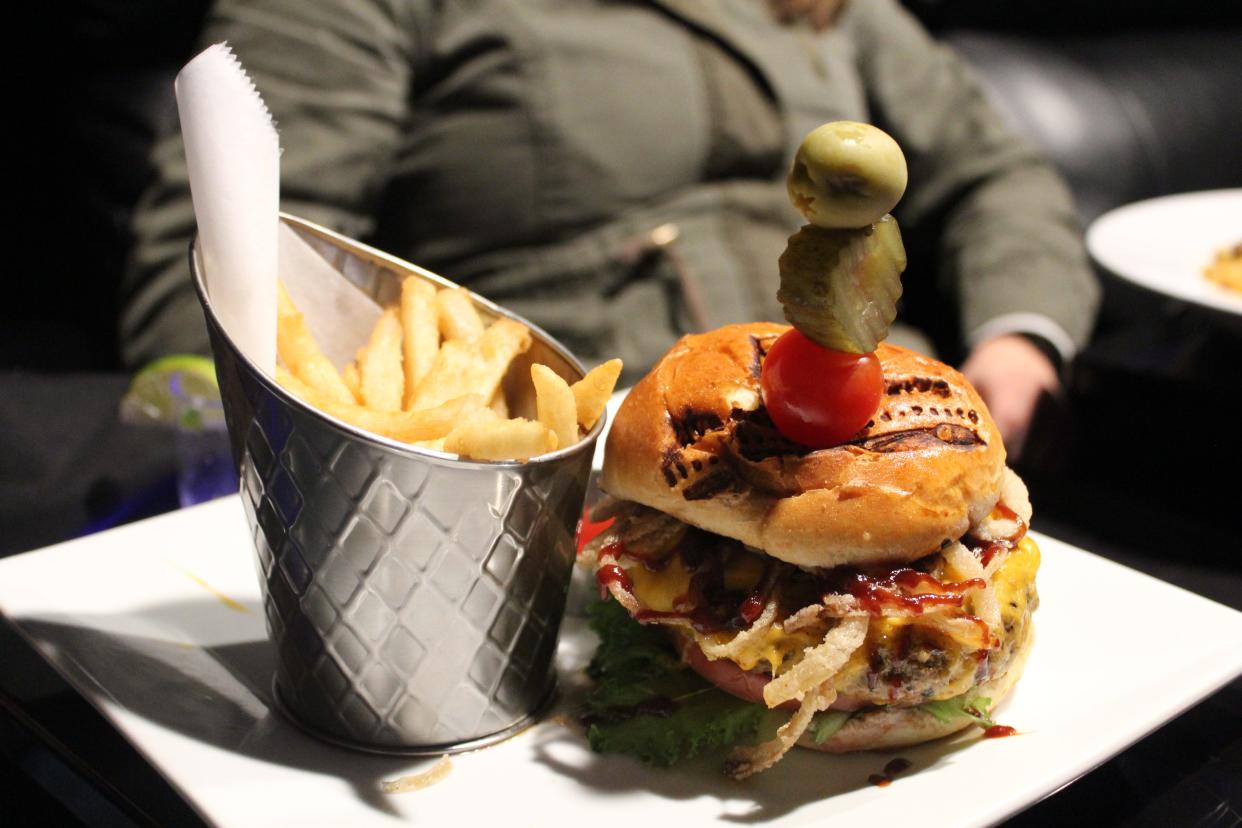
[(840, 287)]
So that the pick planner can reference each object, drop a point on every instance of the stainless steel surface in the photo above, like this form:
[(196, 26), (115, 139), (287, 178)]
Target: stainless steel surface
[(414, 599)]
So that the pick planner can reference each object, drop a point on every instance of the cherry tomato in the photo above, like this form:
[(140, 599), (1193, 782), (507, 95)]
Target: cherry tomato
[(817, 396)]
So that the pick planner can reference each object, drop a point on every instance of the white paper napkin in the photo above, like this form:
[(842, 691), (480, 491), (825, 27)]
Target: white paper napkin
[(339, 314), (233, 156)]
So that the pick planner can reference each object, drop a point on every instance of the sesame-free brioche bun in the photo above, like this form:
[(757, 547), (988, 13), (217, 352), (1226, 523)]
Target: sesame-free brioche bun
[(893, 727), (692, 440)]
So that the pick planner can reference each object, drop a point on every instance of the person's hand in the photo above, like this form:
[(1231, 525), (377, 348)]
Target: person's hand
[(1010, 373)]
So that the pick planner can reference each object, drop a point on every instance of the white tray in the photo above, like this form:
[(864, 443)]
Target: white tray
[(159, 625)]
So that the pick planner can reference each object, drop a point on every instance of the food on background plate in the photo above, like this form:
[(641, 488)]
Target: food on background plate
[(1226, 269), (815, 539), (431, 374)]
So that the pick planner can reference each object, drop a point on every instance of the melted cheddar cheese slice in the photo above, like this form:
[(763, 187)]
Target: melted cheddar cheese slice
[(667, 589)]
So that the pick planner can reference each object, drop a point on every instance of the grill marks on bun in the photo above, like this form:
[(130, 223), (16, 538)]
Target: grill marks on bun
[(915, 401), (899, 425), (914, 439), (694, 440), (751, 437)]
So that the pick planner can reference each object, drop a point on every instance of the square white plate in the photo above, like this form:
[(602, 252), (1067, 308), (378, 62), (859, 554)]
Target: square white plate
[(159, 625), (1164, 244)]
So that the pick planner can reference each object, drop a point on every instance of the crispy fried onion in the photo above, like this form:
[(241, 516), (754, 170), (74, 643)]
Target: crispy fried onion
[(969, 631), (746, 761), (1015, 496), (805, 617), (626, 599), (739, 643), (588, 556), (966, 566), (418, 781), (809, 681), (619, 591), (643, 533), (818, 664), (651, 535)]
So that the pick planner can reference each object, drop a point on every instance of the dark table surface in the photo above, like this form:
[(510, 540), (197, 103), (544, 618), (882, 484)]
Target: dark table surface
[(69, 467)]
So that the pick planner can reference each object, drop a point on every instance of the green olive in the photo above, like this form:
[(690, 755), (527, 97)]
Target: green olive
[(847, 174)]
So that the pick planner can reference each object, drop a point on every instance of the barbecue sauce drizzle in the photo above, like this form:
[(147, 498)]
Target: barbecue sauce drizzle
[(896, 766), (709, 607), (990, 549), (897, 590)]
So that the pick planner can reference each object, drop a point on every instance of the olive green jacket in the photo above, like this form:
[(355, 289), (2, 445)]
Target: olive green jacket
[(614, 170)]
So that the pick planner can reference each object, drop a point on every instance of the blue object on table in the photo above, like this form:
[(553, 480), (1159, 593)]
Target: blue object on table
[(204, 461), (204, 465)]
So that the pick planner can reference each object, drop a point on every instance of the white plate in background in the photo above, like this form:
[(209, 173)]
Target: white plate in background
[(1164, 244), (159, 625)]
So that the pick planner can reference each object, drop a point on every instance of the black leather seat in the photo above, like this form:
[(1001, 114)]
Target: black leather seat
[(90, 110), (1124, 116)]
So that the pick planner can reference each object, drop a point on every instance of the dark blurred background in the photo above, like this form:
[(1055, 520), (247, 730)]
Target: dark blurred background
[(1151, 91), (1130, 100)]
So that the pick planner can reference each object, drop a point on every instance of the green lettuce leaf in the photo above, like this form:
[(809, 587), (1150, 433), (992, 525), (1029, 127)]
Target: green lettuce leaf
[(826, 724), (647, 704), (968, 705)]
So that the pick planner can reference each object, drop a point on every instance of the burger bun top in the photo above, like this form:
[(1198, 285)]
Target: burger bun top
[(692, 439)]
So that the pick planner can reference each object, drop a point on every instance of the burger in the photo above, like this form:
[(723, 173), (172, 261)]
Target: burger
[(761, 593)]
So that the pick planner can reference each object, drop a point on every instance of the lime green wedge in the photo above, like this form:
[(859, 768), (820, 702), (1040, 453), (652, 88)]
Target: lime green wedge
[(176, 391)]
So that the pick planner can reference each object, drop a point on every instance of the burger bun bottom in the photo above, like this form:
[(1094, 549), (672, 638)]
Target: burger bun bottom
[(903, 726)]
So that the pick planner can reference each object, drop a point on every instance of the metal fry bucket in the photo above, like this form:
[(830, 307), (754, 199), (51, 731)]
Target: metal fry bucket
[(414, 599)]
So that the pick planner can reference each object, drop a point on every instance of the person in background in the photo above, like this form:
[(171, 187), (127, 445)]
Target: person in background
[(614, 170)]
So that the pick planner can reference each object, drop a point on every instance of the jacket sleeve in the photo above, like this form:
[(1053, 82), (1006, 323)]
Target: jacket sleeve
[(1012, 255), (336, 77)]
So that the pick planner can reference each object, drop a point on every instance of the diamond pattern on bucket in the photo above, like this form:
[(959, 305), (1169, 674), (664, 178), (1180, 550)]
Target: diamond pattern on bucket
[(414, 601), (426, 601)]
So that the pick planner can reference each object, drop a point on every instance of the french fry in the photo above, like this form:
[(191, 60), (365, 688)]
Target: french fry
[(353, 380), (591, 393), (379, 365), (409, 426), (484, 436), (301, 355), (421, 337), (431, 375), (554, 404), (473, 367), (456, 315)]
